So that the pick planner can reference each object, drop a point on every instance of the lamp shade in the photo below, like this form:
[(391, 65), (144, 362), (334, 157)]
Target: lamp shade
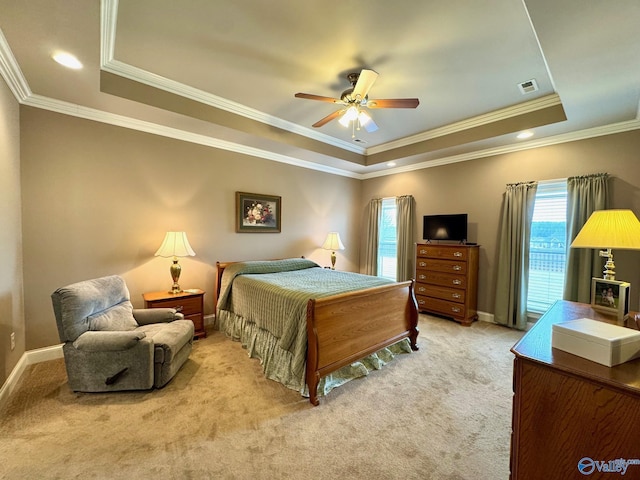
[(614, 229), (175, 244), (333, 242)]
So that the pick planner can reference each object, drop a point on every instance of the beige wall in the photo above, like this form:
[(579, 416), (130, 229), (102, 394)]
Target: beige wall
[(98, 200), (476, 187), (11, 300)]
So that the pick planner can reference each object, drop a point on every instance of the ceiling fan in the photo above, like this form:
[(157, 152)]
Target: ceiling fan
[(355, 100)]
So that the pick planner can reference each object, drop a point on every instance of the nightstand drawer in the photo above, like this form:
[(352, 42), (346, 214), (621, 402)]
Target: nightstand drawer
[(186, 306)]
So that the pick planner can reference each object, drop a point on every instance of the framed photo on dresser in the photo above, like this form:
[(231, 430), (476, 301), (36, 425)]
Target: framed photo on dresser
[(610, 296)]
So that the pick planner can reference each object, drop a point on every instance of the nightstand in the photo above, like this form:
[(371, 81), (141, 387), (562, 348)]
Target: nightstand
[(188, 302)]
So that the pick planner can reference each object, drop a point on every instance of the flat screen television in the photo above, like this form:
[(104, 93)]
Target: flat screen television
[(445, 227)]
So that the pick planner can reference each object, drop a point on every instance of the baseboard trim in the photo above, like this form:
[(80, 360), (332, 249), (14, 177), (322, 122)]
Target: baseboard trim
[(486, 317), (28, 358), (209, 320)]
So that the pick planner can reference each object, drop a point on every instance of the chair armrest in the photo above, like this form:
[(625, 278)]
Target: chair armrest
[(145, 316), (108, 341)]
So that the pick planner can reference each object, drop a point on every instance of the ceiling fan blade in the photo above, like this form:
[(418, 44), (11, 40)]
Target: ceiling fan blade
[(394, 103), (370, 126), (364, 83), (328, 118), (310, 96)]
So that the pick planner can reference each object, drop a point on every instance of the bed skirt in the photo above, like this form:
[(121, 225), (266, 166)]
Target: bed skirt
[(279, 365)]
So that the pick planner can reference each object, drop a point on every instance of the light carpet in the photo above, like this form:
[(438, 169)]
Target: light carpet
[(443, 412)]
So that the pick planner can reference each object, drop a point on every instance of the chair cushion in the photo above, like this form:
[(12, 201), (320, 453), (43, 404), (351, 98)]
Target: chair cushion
[(168, 338), (116, 318)]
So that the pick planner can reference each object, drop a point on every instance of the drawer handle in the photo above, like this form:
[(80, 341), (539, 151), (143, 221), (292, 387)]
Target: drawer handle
[(420, 302), (455, 309), (422, 264), (423, 251), (422, 277), (457, 282), (457, 254), (457, 268), (456, 295), (422, 289)]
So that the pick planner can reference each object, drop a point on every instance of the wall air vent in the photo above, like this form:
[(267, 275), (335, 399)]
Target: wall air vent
[(528, 86)]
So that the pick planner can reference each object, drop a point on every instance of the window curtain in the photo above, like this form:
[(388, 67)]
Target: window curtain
[(513, 255), (372, 220), (585, 195), (405, 237)]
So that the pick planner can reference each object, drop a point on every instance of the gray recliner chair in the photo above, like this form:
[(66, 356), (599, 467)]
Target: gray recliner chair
[(110, 346)]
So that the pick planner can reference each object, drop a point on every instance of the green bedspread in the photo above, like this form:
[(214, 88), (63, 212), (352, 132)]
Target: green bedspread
[(265, 309)]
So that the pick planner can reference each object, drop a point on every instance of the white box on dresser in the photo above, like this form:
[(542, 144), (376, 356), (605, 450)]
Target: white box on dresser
[(599, 342)]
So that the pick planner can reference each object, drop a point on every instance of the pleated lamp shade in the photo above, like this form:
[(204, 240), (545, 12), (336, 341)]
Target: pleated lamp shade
[(333, 243), (609, 229), (175, 244)]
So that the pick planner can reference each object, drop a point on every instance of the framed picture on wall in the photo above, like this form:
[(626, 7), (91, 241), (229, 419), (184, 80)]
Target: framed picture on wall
[(610, 296), (258, 213)]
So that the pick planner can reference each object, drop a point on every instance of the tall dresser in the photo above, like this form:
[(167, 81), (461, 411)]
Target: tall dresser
[(447, 280)]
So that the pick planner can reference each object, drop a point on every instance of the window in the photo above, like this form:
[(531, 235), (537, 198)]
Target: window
[(547, 255), (388, 240)]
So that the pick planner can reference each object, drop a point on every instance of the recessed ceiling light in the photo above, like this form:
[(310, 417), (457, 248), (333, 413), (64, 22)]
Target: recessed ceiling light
[(67, 60), (525, 134), (391, 164)]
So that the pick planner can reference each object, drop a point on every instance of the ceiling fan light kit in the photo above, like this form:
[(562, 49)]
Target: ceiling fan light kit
[(355, 100)]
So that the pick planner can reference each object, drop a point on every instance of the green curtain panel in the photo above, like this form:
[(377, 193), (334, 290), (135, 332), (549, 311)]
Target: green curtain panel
[(585, 195), (513, 255), (405, 207), (372, 220)]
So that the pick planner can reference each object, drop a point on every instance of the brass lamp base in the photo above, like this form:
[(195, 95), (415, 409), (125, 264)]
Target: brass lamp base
[(609, 272), (175, 270), (333, 260)]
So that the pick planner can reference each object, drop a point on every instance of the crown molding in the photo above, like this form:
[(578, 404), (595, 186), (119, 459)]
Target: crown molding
[(79, 111), (585, 134), (495, 116), (157, 81), (108, 24), (11, 72)]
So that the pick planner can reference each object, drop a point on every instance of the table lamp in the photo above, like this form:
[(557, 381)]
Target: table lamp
[(609, 229), (333, 243), (175, 244)]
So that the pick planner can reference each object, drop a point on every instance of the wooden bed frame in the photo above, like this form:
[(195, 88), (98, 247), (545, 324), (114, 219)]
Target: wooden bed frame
[(347, 327)]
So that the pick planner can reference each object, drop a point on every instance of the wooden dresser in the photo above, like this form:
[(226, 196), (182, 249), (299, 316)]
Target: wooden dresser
[(569, 412), (447, 280)]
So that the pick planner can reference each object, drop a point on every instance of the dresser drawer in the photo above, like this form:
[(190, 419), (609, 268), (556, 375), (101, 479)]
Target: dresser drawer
[(446, 252), (442, 279), (443, 307), (186, 305), (437, 265), (444, 293)]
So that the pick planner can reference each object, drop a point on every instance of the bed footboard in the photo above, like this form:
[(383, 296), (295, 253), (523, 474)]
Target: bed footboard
[(344, 328)]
